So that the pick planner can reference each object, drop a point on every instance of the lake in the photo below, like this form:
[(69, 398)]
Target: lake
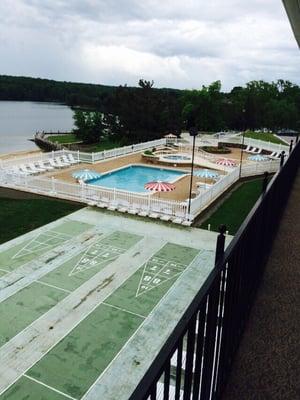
[(20, 120)]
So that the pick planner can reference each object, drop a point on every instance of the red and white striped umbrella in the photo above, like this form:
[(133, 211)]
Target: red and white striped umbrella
[(159, 186), (226, 162)]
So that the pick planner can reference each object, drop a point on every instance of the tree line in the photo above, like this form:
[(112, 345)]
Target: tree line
[(145, 113)]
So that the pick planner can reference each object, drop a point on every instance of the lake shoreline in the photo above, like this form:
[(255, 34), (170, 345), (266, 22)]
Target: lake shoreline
[(20, 120), (18, 154)]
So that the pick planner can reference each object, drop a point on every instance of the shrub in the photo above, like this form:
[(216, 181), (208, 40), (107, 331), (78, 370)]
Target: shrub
[(217, 150)]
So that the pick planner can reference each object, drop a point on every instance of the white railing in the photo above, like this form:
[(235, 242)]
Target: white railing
[(121, 151), (87, 193), (13, 161), (260, 144), (149, 203), (82, 156), (205, 198)]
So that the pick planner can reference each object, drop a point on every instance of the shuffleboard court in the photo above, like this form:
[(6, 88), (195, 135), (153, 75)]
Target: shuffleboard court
[(97, 256), (75, 363), (40, 244), (21, 309)]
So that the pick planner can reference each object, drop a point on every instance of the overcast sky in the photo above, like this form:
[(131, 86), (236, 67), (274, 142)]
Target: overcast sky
[(177, 43)]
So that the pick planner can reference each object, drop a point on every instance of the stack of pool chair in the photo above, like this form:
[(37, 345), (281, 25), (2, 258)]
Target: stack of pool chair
[(143, 210), (275, 155), (123, 206), (252, 150), (155, 212)]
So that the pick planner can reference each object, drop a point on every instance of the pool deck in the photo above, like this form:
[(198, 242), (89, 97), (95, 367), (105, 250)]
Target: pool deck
[(181, 192), (90, 296)]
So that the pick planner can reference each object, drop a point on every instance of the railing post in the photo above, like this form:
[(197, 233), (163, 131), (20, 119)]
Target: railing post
[(297, 137), (220, 243), (53, 184), (291, 146), (281, 159), (265, 182)]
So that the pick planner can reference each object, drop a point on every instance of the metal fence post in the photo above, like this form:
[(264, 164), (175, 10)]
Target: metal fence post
[(265, 182), (291, 146), (281, 159), (220, 243)]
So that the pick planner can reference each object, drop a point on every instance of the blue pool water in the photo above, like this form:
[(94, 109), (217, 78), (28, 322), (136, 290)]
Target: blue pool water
[(134, 178)]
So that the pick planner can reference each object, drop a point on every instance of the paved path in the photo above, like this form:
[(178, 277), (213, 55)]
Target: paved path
[(267, 365)]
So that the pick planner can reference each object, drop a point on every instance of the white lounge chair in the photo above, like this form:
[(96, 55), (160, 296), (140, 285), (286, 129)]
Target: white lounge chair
[(66, 160), (253, 151), (40, 164), (24, 169), (113, 205), (72, 159), (92, 203), (165, 217), (134, 209), (144, 211), (186, 223), (101, 205), (274, 156), (34, 168), (258, 151), (54, 164), (59, 161), (155, 211), (16, 170), (179, 217), (123, 206)]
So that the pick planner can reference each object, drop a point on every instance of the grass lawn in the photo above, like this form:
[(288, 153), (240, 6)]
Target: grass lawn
[(236, 208), (63, 139), (266, 137), (104, 144), (20, 216)]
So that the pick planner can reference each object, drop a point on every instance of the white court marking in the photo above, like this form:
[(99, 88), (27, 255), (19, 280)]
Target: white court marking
[(4, 270), (43, 241), (124, 310), (96, 255), (156, 272), (49, 387), (53, 286)]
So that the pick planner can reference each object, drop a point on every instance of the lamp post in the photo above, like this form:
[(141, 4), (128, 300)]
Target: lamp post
[(193, 132), (243, 141)]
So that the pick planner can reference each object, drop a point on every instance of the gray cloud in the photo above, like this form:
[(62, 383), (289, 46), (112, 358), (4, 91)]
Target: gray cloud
[(178, 44)]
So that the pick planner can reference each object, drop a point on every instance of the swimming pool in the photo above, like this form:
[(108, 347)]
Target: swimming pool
[(134, 177)]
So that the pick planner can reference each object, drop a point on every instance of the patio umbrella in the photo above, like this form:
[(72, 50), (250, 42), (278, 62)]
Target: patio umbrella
[(159, 186), (86, 175), (206, 173), (226, 162), (258, 157)]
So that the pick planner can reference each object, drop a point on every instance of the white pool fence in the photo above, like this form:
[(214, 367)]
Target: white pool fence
[(113, 198)]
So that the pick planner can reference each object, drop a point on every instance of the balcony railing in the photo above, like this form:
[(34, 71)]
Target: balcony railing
[(195, 361)]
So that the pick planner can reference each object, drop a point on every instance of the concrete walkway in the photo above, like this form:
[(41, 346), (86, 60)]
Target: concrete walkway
[(267, 364)]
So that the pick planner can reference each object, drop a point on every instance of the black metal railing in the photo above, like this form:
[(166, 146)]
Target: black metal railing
[(196, 360)]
